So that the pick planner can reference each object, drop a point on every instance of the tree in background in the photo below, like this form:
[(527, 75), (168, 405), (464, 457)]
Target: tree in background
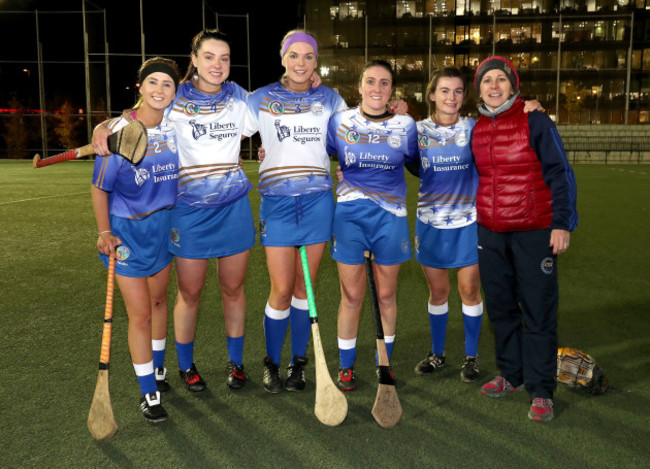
[(68, 126), (16, 134), (575, 96)]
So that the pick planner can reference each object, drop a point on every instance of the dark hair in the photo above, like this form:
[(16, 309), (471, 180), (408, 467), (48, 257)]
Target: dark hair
[(196, 45), (382, 64), (168, 63), (448, 72)]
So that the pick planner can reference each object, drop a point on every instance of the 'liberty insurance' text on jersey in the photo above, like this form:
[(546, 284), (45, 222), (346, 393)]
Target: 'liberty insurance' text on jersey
[(448, 177), (372, 156)]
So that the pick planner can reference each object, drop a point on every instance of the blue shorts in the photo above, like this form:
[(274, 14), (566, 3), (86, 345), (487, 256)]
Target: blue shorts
[(446, 249), (362, 225), (296, 221), (208, 233), (143, 251)]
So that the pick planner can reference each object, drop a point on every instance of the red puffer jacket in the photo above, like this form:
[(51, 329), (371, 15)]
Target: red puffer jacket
[(512, 195)]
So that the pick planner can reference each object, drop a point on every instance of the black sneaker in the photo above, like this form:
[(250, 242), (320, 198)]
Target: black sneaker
[(152, 409), (469, 372), (161, 379), (192, 379), (271, 380), (236, 377), (347, 380), (296, 374), (430, 364)]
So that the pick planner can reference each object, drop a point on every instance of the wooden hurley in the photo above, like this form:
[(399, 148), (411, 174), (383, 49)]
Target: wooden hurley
[(101, 421), (331, 406), (130, 142), (387, 410)]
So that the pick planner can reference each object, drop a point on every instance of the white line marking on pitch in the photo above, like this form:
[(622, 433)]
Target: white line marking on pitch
[(39, 198)]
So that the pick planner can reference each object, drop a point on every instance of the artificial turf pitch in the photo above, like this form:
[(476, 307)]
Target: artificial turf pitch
[(52, 290)]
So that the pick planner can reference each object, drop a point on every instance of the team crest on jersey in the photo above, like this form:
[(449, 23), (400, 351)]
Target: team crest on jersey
[(547, 265), (282, 130), (276, 108), (191, 109), (394, 141), (176, 236), (423, 142), (198, 130), (352, 136), (317, 108), (122, 253), (350, 157), (461, 139), (141, 175)]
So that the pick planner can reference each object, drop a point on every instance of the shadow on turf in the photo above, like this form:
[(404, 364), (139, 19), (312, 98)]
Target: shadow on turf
[(115, 455), (217, 417)]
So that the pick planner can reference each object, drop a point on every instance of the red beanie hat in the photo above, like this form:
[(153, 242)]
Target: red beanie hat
[(498, 63)]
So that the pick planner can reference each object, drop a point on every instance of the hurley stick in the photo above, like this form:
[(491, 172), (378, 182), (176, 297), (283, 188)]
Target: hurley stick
[(130, 142), (101, 421), (331, 406), (387, 409)]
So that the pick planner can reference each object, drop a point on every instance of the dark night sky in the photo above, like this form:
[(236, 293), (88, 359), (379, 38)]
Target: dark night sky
[(168, 32)]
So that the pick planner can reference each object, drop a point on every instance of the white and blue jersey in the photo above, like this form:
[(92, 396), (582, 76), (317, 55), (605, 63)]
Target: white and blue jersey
[(293, 128), (372, 156), (209, 128), (448, 177), (136, 191)]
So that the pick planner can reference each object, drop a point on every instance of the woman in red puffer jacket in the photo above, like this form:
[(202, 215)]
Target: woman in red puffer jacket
[(526, 204)]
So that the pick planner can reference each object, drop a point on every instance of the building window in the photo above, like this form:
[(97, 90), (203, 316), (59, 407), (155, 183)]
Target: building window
[(439, 7), (351, 10), (406, 9), (646, 59)]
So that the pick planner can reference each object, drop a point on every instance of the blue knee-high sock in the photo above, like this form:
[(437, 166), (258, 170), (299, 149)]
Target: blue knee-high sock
[(347, 352), (158, 347), (438, 316), (144, 373), (389, 340), (185, 354), (300, 327), (275, 329), (236, 349), (472, 317)]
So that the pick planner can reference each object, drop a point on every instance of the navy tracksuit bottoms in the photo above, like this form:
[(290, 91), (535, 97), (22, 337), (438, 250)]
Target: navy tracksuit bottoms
[(519, 277)]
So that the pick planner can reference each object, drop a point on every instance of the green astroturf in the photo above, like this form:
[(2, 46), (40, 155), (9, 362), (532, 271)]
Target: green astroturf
[(52, 290)]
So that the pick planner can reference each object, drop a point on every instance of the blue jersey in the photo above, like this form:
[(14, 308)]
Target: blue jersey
[(372, 156), (136, 191), (209, 128), (448, 177), (293, 128)]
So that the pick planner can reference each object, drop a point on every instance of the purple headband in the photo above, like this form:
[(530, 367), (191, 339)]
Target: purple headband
[(299, 37)]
